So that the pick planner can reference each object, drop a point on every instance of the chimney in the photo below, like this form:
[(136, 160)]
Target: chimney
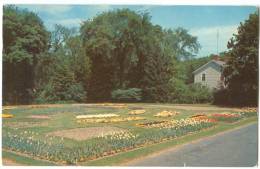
[(216, 57)]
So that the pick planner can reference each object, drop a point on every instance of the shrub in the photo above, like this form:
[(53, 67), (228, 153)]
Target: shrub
[(48, 94), (76, 93), (227, 97), (128, 95), (199, 94), (221, 97), (193, 93)]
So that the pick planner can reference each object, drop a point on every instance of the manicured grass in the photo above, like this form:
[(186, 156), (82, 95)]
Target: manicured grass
[(25, 160), (124, 157)]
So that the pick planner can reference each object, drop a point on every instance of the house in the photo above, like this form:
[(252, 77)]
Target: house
[(210, 74)]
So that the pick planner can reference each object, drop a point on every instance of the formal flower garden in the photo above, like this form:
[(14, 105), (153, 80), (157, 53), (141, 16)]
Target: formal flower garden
[(129, 129)]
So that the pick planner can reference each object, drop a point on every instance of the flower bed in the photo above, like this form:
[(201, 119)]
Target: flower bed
[(136, 112), (247, 109), (166, 113), (203, 117), (54, 149), (96, 116), (181, 123), (227, 117), (150, 124), (198, 115), (248, 112), (109, 120), (7, 115)]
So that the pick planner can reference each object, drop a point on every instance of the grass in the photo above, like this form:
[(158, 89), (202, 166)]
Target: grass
[(23, 160), (63, 117)]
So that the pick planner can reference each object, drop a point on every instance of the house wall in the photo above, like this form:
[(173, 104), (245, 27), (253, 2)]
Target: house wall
[(213, 76)]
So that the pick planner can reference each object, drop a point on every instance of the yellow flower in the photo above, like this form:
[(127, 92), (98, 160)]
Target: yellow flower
[(135, 112), (7, 115), (166, 113)]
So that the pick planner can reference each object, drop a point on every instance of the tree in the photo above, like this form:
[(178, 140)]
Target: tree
[(127, 51), (183, 45), (242, 68), (66, 66), (158, 68), (24, 41), (112, 40)]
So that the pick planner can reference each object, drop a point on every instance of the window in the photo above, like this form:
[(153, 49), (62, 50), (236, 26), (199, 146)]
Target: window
[(203, 78)]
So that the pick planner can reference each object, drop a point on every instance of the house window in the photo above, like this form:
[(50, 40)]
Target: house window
[(203, 78)]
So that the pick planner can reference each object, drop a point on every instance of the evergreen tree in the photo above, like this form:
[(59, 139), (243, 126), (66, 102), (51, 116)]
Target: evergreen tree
[(241, 73)]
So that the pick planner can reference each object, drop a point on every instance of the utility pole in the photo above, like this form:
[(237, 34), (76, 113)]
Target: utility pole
[(217, 41)]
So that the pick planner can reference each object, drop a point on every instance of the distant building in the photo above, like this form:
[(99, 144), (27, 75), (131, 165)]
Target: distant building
[(210, 74)]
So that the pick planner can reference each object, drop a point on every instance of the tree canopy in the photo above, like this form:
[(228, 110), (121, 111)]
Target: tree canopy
[(127, 51), (25, 39), (242, 68), (118, 55)]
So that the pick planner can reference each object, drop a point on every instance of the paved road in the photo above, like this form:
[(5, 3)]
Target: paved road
[(235, 148)]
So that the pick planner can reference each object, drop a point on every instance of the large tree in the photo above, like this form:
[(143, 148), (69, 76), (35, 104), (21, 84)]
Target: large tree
[(63, 73), (184, 46), (113, 41), (241, 73), (127, 51), (25, 39)]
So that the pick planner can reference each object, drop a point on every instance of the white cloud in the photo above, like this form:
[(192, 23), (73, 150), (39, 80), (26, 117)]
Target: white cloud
[(50, 9), (207, 37), (74, 22), (95, 9), (70, 23)]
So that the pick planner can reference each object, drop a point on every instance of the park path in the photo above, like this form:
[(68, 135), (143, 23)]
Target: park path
[(235, 148)]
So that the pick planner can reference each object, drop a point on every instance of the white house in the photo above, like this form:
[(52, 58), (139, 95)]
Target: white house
[(210, 74)]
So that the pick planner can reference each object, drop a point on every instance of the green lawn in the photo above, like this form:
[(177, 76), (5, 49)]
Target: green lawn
[(63, 117)]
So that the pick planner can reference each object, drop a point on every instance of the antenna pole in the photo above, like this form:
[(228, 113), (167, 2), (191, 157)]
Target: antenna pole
[(217, 41)]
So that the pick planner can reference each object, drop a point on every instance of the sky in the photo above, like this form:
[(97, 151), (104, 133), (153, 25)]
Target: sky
[(201, 21)]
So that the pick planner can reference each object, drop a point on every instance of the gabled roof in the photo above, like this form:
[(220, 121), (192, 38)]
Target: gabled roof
[(218, 62)]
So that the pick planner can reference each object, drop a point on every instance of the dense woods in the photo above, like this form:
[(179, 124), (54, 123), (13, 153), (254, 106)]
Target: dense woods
[(116, 56)]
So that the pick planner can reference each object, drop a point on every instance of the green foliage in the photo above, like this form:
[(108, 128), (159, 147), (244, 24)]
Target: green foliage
[(156, 79), (131, 94), (119, 49), (114, 41), (62, 85), (24, 40), (192, 93), (221, 97), (183, 45), (241, 73), (24, 36), (66, 67), (199, 94), (76, 93), (126, 50)]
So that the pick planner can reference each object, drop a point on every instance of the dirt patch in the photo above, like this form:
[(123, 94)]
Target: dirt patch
[(86, 133), (39, 117), (9, 162), (25, 124)]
